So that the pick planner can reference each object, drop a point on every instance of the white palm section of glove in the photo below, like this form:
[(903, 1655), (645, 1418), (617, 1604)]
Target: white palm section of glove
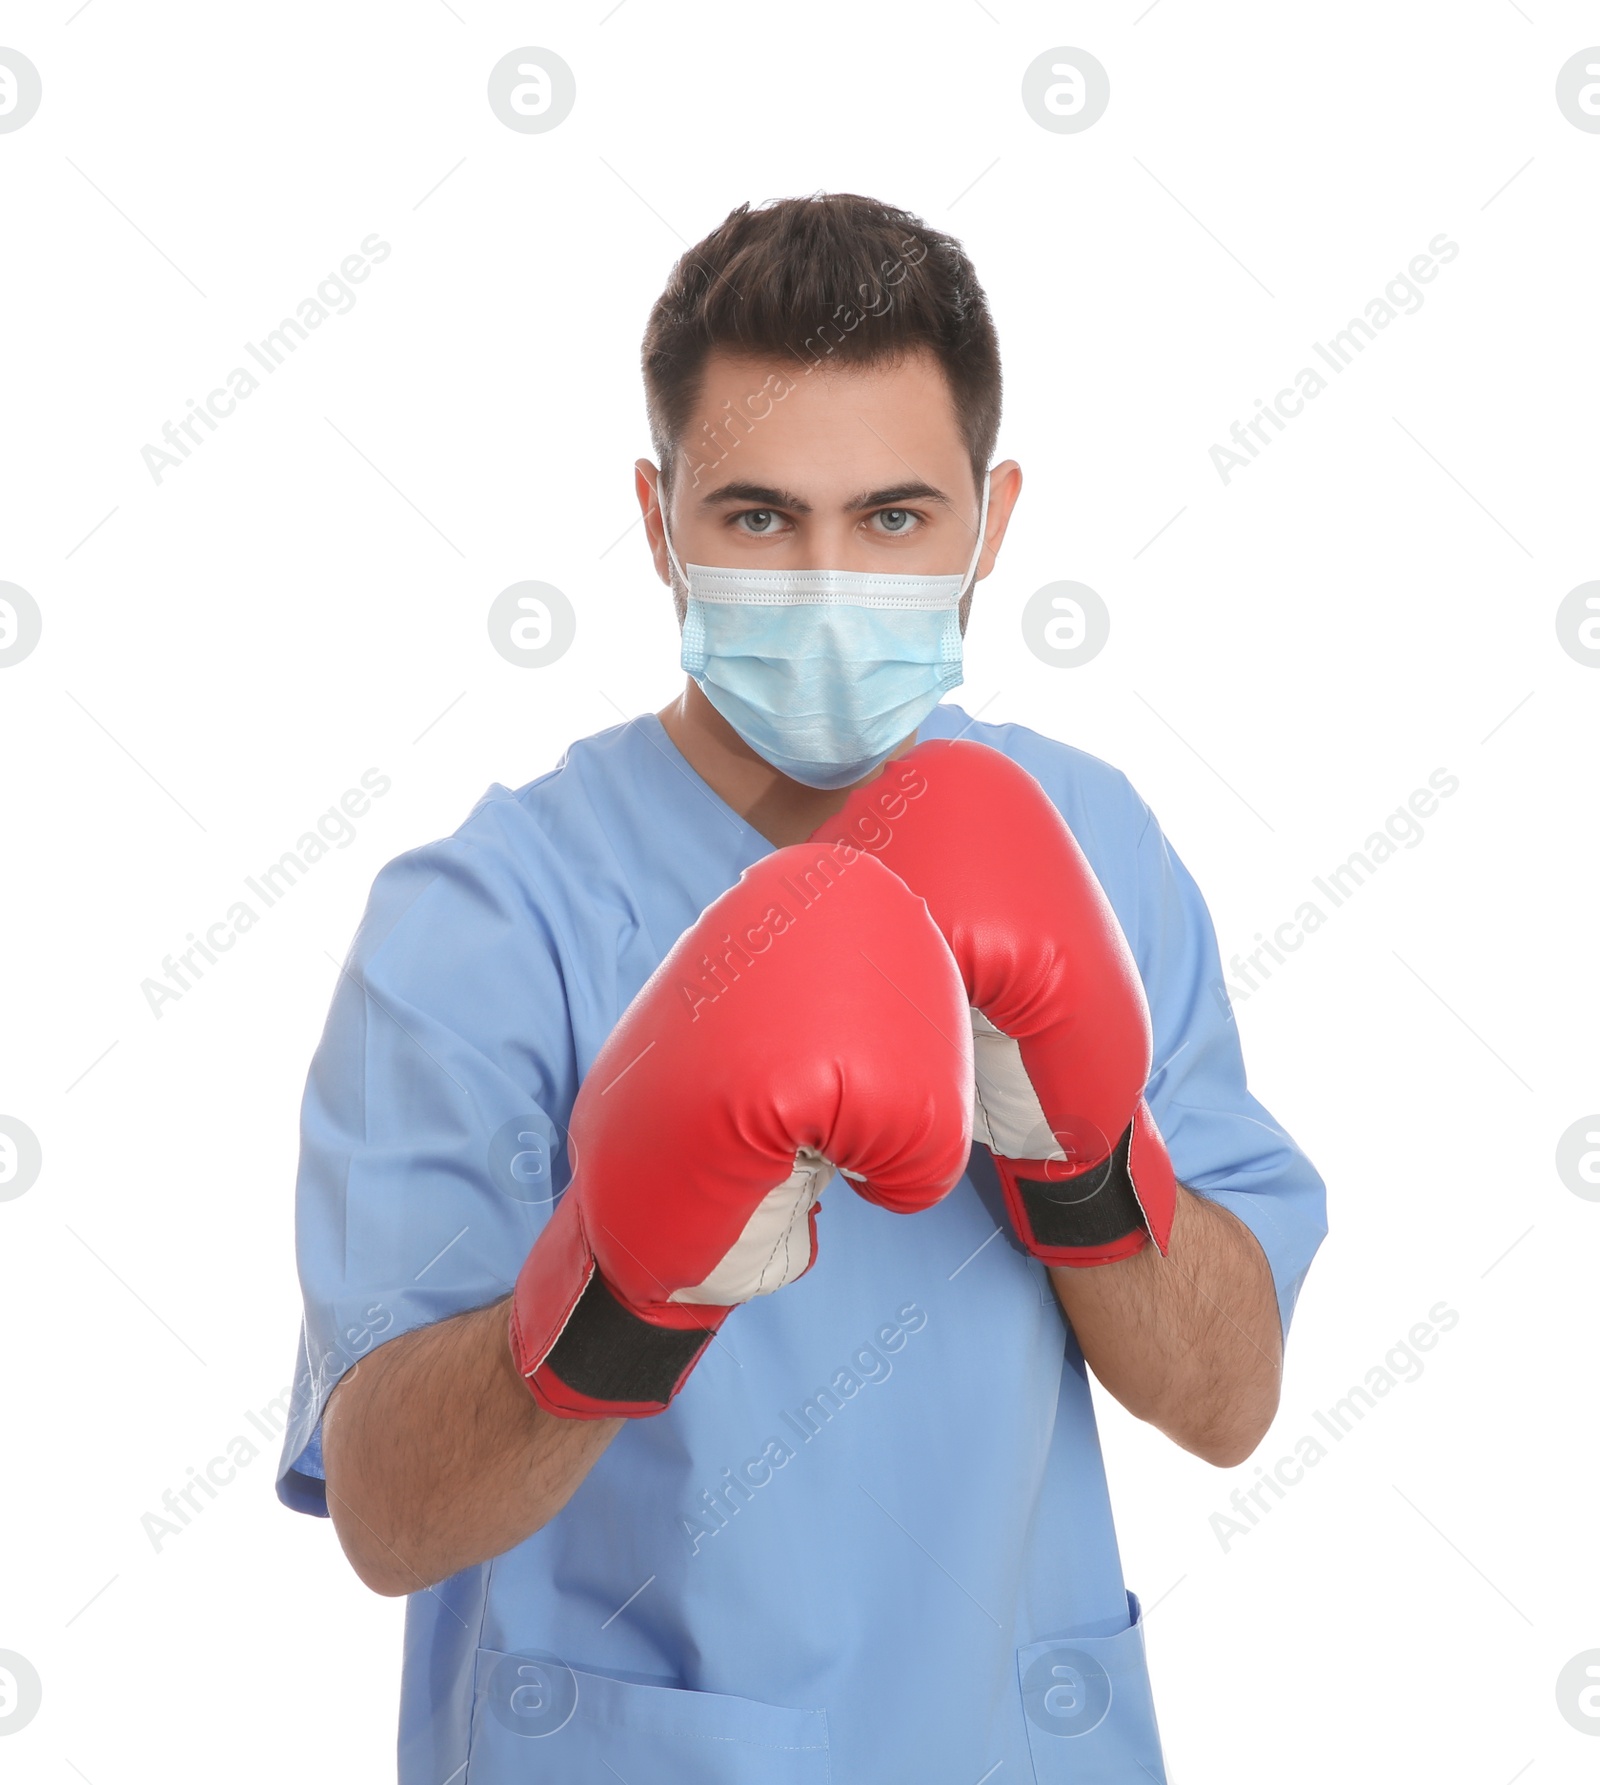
[(1007, 1116), (775, 1246)]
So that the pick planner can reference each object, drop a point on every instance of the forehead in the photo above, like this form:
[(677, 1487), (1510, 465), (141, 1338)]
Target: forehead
[(896, 417)]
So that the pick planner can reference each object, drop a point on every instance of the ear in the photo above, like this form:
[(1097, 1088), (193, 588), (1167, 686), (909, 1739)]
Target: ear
[(1005, 486), (647, 487)]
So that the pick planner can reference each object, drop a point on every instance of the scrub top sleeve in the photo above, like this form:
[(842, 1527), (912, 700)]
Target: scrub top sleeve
[(429, 1150), (1224, 1144)]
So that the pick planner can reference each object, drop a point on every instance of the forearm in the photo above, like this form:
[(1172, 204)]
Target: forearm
[(1191, 1342), (437, 1457)]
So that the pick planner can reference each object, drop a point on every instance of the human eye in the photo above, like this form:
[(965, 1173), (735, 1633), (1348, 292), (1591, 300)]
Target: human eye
[(761, 523), (899, 521)]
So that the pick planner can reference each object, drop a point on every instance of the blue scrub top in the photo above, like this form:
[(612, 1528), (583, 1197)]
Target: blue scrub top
[(870, 1541)]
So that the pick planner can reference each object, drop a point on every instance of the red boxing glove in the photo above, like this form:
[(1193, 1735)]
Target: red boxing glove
[(812, 1018), (1061, 1029)]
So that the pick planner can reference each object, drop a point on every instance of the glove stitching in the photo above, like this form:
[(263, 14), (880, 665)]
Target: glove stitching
[(977, 1097), (783, 1240)]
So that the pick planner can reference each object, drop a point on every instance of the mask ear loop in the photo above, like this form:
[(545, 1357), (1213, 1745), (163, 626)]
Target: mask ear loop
[(666, 539), (977, 550)]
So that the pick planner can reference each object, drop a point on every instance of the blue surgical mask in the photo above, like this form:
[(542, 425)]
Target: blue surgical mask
[(823, 672)]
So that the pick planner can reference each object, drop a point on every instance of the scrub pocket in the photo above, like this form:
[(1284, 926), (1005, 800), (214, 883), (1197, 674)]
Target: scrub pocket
[(1091, 1719), (536, 1720)]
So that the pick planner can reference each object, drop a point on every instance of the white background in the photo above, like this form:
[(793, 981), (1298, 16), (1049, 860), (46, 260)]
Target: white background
[(1374, 598)]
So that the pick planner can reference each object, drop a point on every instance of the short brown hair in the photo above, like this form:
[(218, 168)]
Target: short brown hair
[(826, 279)]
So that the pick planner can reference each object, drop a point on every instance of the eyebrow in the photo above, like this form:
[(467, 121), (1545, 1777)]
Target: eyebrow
[(766, 496)]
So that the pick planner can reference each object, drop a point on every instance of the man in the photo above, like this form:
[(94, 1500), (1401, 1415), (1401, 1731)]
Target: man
[(693, 1470)]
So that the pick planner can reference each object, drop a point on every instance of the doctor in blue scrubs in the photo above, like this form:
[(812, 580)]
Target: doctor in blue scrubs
[(870, 1540)]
